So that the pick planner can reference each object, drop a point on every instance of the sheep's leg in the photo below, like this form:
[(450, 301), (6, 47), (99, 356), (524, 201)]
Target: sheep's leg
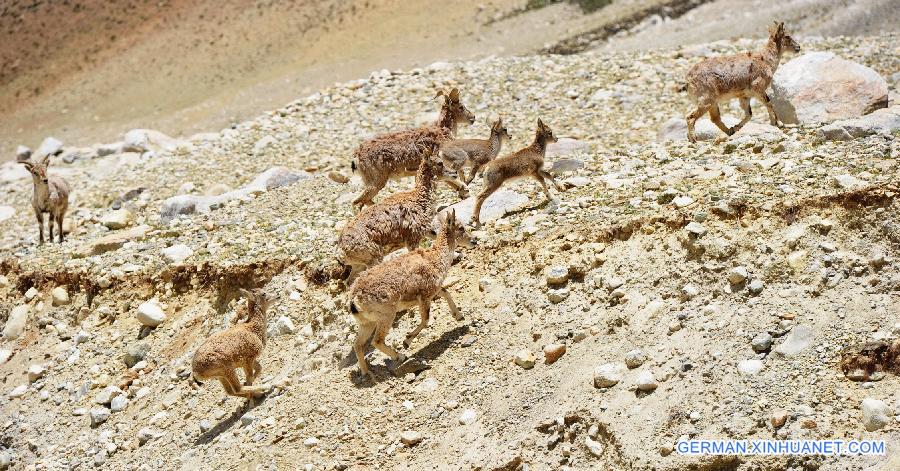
[(424, 315), (748, 113), (248, 372), (773, 118), (229, 388), (457, 185), (488, 190), (540, 179), (382, 327), (59, 221), (692, 119), (453, 309), (548, 176), (472, 171), (232, 384), (40, 219), (50, 221), (365, 331), (716, 116), (368, 195), (257, 369)]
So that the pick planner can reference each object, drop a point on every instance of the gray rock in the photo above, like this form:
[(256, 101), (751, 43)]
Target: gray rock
[(49, 146), (272, 178), (112, 241), (15, 323), (696, 229), (106, 395), (820, 87), (117, 219), (738, 275), (205, 426), (109, 149), (60, 296), (99, 415), (495, 207), (635, 358), (146, 434), (557, 295), (884, 121), (525, 359), (761, 343), (145, 140), (875, 414), (118, 403), (35, 372), (177, 253), (566, 165), (150, 314), (756, 286), (5, 460), (849, 182), (18, 391), (682, 201), (609, 374), (136, 353), (410, 437), (23, 153), (556, 275), (645, 381), (750, 367), (567, 146), (798, 340), (467, 417), (285, 326)]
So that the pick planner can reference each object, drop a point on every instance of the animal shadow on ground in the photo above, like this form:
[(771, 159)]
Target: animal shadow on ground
[(225, 424), (415, 363)]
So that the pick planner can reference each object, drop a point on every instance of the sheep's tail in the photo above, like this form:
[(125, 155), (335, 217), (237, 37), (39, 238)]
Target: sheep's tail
[(353, 165)]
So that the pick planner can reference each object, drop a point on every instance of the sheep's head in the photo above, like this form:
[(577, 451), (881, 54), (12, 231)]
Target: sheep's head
[(457, 112), (38, 170), (785, 42), (455, 232), (544, 133), (499, 129), (256, 299)]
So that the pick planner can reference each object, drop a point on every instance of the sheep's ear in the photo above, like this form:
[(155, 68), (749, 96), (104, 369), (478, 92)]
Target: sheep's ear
[(540, 123), (451, 218), (454, 94), (28, 165), (439, 93)]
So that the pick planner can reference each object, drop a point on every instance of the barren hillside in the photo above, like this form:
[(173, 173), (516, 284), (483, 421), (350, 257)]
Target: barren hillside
[(730, 276)]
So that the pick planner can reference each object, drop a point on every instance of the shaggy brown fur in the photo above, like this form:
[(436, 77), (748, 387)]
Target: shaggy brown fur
[(51, 195), (527, 162), (238, 346), (412, 279), (741, 76), (880, 356), (474, 153), (400, 220), (399, 154)]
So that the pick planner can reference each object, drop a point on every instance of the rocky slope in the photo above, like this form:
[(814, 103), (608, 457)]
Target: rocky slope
[(697, 290)]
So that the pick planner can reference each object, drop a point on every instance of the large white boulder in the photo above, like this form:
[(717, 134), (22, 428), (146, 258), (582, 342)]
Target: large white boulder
[(821, 87)]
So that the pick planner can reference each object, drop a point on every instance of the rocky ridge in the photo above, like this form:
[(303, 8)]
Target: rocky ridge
[(741, 270)]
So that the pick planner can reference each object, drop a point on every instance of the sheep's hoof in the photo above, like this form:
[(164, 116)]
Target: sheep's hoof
[(393, 365)]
